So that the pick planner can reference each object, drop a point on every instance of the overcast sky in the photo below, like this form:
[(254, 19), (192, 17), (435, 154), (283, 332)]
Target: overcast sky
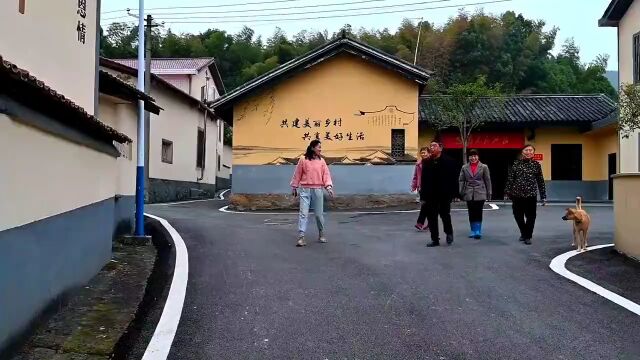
[(575, 18)]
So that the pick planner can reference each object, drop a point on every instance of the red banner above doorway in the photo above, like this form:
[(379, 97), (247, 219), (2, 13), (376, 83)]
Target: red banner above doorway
[(485, 140)]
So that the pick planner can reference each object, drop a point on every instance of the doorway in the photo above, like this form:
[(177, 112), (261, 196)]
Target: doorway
[(499, 162), (613, 169)]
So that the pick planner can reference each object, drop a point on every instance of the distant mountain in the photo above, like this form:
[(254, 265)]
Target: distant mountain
[(613, 78)]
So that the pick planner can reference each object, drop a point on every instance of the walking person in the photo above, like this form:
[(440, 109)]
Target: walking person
[(438, 189), (415, 186), (475, 188), (309, 181), (524, 183)]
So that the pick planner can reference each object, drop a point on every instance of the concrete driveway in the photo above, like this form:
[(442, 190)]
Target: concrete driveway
[(376, 292)]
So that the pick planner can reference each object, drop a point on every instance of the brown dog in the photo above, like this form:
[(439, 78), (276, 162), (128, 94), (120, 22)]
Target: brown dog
[(581, 221)]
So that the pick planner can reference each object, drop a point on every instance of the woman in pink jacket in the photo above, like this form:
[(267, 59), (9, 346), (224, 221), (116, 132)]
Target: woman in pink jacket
[(415, 186), (309, 180)]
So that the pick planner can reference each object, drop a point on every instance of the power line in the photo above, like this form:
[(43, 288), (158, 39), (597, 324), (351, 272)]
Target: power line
[(266, 9), (305, 12), (204, 6), (339, 16)]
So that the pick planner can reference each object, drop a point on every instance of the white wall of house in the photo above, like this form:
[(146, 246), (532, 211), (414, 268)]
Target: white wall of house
[(180, 81), (47, 28), (57, 175), (199, 80), (227, 160), (628, 26), (122, 116), (178, 123)]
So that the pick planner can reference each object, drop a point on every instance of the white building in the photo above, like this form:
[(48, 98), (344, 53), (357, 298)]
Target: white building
[(184, 156), (625, 16), (65, 190)]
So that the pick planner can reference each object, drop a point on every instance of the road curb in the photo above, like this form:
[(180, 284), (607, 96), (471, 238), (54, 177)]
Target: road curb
[(558, 266)]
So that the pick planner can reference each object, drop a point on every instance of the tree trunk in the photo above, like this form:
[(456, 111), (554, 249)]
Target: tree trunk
[(465, 159)]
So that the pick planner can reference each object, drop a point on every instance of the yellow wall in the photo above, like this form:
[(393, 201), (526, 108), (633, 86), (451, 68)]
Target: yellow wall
[(338, 88), (595, 149), (425, 137), (625, 211), (44, 41), (596, 146)]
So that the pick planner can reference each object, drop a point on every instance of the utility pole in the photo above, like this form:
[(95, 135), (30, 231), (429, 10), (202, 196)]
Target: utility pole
[(139, 226), (147, 90), (415, 57)]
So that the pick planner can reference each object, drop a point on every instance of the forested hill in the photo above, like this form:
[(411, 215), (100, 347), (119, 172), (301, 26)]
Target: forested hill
[(508, 49)]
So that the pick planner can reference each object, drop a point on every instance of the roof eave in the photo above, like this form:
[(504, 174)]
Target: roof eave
[(605, 22), (322, 53), (614, 13)]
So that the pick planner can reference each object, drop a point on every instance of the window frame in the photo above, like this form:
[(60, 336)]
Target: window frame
[(635, 50), (404, 143), (169, 158), (200, 149)]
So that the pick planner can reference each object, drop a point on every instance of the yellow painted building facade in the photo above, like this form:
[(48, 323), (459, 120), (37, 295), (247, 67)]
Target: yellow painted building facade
[(596, 144), (351, 105)]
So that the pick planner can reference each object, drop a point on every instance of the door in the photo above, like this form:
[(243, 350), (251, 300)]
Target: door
[(613, 167)]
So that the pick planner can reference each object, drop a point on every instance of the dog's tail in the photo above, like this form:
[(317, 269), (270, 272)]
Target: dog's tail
[(579, 203)]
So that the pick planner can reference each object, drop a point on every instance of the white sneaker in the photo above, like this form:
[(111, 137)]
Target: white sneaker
[(322, 239), (301, 241)]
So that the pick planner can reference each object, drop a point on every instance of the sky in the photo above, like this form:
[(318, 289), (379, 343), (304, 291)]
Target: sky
[(574, 18)]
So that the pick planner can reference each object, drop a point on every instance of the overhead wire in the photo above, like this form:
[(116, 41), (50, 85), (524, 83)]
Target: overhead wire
[(305, 12), (344, 3), (169, 21), (203, 6)]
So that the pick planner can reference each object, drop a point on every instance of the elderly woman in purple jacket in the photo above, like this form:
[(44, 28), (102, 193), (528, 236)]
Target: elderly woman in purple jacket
[(475, 188)]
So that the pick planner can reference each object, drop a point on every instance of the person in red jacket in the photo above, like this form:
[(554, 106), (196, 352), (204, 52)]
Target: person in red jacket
[(415, 186), (309, 180)]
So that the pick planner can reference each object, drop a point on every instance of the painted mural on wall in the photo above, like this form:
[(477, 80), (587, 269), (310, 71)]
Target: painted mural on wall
[(357, 137)]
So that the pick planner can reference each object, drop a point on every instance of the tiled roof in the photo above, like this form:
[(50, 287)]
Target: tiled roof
[(27, 89), (171, 66), (179, 66), (547, 109)]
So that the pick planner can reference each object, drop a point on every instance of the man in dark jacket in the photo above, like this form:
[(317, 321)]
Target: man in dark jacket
[(439, 188)]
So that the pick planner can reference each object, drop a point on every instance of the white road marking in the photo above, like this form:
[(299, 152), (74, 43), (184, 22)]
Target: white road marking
[(160, 344), (225, 209), (558, 265), (183, 202), (221, 196)]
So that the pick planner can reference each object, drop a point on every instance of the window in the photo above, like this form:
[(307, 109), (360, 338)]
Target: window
[(220, 130), (397, 143), (167, 151), (200, 149), (566, 162), (203, 93), (636, 58), (219, 163)]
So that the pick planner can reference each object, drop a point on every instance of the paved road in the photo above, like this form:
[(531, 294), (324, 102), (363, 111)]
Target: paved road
[(376, 292)]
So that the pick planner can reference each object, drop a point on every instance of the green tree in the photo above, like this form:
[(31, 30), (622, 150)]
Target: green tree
[(629, 120), (458, 107)]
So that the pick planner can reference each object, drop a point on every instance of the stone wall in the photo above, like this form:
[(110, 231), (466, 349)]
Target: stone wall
[(253, 202), (161, 191)]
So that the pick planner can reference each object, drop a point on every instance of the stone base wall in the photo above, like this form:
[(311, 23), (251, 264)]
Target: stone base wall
[(253, 202), (161, 191)]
